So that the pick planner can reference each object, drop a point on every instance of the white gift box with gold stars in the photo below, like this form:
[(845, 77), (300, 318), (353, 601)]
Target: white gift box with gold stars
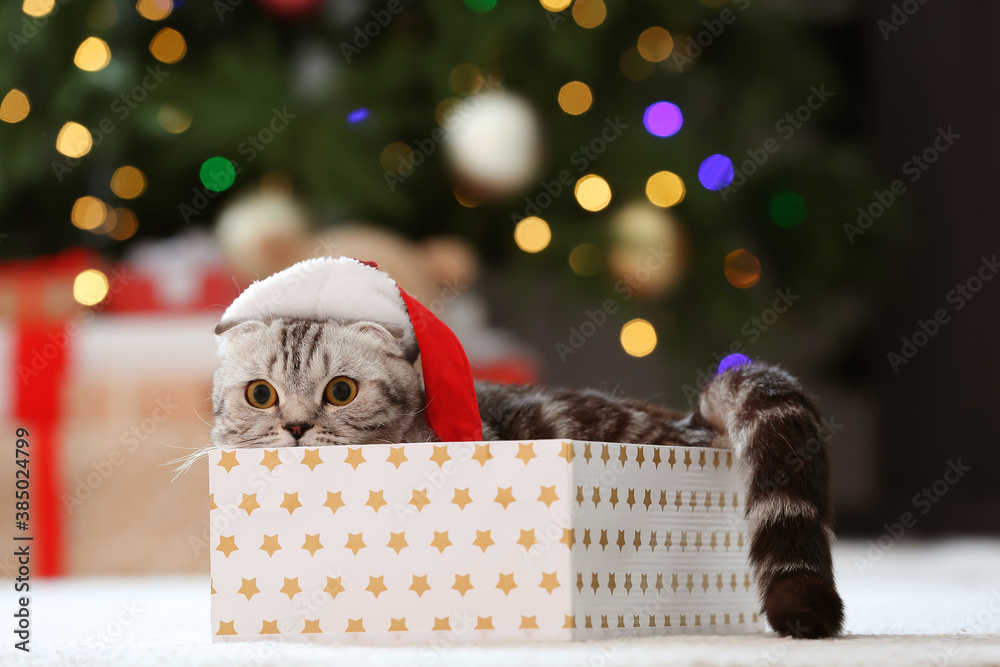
[(539, 540)]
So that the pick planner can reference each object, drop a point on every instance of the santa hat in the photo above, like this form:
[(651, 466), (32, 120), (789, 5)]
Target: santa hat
[(347, 290)]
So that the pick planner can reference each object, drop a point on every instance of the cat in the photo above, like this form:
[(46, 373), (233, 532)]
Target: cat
[(299, 382)]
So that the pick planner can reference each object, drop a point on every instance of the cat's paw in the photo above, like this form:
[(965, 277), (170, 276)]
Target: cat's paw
[(804, 606)]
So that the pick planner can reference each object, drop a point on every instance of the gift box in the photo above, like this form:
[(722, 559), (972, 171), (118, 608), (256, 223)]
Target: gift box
[(539, 540)]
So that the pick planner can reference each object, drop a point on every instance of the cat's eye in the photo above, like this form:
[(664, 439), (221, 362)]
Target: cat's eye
[(260, 394), (341, 390)]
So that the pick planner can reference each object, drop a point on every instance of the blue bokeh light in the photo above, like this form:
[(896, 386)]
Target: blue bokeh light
[(663, 119), (357, 115), (716, 172)]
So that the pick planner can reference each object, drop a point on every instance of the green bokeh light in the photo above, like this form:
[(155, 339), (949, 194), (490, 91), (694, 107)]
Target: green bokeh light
[(787, 209), (217, 173), (481, 6)]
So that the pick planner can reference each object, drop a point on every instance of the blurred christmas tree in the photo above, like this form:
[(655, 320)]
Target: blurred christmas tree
[(697, 155)]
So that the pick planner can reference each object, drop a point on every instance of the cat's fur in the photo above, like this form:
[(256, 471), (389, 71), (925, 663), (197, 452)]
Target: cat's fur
[(757, 410)]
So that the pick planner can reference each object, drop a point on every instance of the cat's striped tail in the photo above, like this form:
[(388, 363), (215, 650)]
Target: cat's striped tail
[(773, 427)]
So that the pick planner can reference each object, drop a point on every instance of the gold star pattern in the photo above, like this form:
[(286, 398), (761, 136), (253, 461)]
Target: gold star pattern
[(419, 585), (548, 495), (355, 625), (398, 625), (484, 623), (527, 539), (505, 496), (355, 542), (333, 587), (482, 454), (567, 452), (291, 502), (270, 628), (506, 583), (311, 458), (211, 502), (249, 503), (270, 459), (462, 583), (441, 541), (529, 623), (227, 545), (354, 457), (375, 500), (311, 627), (440, 455), (270, 544), (227, 628), (396, 457), (461, 498), (549, 582), (441, 623), (249, 588), (483, 539), (419, 499), (397, 541), (569, 537), (291, 587), (211, 585), (333, 501), (570, 621), (228, 461), (525, 452), (376, 586), (312, 544)]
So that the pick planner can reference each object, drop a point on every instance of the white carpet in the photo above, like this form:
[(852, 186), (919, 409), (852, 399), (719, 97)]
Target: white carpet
[(919, 604)]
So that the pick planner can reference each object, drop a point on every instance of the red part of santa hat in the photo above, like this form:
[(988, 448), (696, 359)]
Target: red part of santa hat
[(346, 290)]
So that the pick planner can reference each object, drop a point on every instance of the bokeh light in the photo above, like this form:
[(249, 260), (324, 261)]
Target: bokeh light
[(465, 79), (88, 213), (15, 107), (589, 13), (38, 8), (395, 156), (665, 188), (102, 15), (92, 55), (742, 268), (532, 234), (74, 140), (154, 10), (638, 337), (480, 6), (575, 98), (173, 119), (655, 44), (168, 46), (444, 107), (586, 259), (126, 225), (663, 119), (217, 173), (634, 66), (128, 182), (592, 192), (787, 209), (466, 199), (555, 5), (90, 287), (357, 115), (716, 172)]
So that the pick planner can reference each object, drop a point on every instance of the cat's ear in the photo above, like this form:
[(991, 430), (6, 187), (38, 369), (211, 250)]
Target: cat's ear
[(231, 329), (389, 336)]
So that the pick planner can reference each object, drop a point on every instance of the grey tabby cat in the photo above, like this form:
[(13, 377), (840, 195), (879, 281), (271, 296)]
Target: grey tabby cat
[(304, 382)]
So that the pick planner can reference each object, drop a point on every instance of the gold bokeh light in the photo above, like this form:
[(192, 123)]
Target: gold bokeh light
[(126, 225), (665, 189), (88, 213), (128, 182), (173, 119), (575, 98), (90, 287), (592, 192), (465, 79), (168, 46), (638, 337), (92, 55), (589, 13), (154, 10), (555, 5), (15, 106), (586, 259), (74, 140), (742, 268), (38, 8), (655, 44), (532, 234), (395, 157)]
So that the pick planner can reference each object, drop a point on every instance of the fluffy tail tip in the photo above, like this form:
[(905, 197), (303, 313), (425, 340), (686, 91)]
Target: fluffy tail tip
[(804, 606)]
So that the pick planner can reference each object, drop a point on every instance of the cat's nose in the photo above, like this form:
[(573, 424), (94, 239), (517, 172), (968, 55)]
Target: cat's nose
[(297, 430)]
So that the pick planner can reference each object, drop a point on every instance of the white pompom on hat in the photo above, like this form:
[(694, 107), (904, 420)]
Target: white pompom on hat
[(347, 290)]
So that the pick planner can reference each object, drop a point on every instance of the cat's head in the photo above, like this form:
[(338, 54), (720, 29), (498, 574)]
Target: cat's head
[(293, 382)]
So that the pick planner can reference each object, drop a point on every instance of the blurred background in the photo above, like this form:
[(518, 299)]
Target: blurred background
[(613, 195)]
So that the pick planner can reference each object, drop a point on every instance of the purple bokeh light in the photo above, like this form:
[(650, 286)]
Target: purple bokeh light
[(716, 172), (663, 119), (357, 115), (732, 361)]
